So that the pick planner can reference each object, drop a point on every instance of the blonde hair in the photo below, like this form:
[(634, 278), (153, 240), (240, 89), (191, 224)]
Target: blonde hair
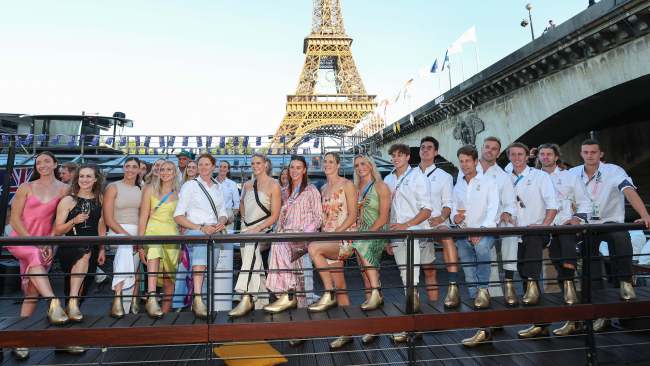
[(373, 170), (267, 161), (185, 176), (151, 175), (156, 183)]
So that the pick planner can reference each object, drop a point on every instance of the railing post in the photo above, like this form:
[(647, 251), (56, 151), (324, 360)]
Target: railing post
[(210, 296), (6, 182), (411, 291), (585, 289)]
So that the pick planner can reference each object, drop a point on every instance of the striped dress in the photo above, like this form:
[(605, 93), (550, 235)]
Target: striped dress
[(301, 213)]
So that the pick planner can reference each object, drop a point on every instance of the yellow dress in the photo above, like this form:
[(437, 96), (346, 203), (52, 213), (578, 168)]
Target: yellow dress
[(161, 222)]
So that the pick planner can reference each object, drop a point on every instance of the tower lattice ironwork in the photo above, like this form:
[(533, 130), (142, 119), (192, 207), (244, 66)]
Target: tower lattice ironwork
[(326, 48)]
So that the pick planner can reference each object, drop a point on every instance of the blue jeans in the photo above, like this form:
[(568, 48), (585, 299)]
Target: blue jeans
[(477, 274), (199, 252)]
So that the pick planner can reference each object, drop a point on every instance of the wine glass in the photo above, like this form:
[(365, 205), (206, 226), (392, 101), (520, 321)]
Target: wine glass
[(85, 209), (460, 208)]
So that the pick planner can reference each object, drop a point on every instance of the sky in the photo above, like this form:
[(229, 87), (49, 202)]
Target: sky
[(224, 67)]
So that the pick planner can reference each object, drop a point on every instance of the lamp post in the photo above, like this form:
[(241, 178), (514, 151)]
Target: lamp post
[(529, 7)]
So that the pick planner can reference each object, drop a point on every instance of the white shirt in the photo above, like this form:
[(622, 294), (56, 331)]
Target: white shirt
[(410, 194), (193, 203), (480, 200), (506, 190), (605, 190), (570, 192), (534, 194), (230, 194), (441, 185)]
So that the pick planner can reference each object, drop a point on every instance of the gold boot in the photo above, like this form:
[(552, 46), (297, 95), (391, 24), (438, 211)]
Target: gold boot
[(284, 302), (198, 307), (244, 307), (452, 299), (21, 353), (570, 295), (482, 336), (340, 342), (374, 301), (510, 295), (531, 297), (368, 338), (327, 301), (74, 314), (482, 300), (117, 310), (55, 314), (401, 337), (152, 307), (600, 324), (627, 291), (533, 331), (567, 329)]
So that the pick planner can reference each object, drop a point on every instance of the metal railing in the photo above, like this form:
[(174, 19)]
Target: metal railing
[(411, 321)]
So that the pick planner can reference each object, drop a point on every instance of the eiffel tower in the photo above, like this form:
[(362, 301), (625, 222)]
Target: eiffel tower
[(327, 50)]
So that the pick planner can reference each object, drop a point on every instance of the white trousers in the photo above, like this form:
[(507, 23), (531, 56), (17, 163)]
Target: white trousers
[(253, 282), (399, 251), (509, 245), (125, 261)]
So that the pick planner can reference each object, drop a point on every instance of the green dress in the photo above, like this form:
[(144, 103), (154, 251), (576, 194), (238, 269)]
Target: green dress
[(370, 250)]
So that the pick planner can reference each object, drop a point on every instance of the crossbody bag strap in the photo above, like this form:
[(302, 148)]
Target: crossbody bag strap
[(267, 212), (163, 200), (214, 207)]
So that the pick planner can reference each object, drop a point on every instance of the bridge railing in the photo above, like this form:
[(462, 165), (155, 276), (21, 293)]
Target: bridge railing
[(215, 329)]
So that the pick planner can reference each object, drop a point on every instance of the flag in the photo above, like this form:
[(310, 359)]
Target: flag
[(161, 141), (445, 61), (245, 142), (110, 140), (434, 67), (57, 139), (137, 141), (258, 141), (41, 138), (123, 141), (468, 37), (222, 142), (199, 141), (235, 141), (170, 141), (147, 141), (208, 141), (19, 176), (95, 141), (5, 139), (186, 141), (316, 143)]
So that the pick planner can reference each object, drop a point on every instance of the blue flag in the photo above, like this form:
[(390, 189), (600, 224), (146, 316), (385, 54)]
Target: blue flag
[(434, 67), (446, 61)]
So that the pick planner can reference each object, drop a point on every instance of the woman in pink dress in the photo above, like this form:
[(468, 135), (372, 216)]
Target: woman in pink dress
[(32, 214), (300, 212)]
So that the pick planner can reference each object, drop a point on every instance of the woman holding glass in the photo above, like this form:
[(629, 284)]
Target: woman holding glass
[(32, 214), (159, 201)]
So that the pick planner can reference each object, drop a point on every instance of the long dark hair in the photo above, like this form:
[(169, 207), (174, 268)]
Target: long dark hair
[(304, 182), (138, 180), (36, 175), (97, 187)]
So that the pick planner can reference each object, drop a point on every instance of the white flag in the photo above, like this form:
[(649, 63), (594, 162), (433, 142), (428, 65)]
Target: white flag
[(467, 37)]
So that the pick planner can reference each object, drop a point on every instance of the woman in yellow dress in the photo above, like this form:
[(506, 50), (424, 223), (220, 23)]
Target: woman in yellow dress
[(159, 201)]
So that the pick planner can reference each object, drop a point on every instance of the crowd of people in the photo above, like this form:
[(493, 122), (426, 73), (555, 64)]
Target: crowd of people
[(186, 199)]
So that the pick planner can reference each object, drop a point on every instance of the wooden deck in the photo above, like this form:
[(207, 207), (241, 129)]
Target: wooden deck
[(139, 337)]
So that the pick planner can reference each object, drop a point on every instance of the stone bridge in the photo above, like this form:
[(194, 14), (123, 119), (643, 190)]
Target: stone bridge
[(588, 76)]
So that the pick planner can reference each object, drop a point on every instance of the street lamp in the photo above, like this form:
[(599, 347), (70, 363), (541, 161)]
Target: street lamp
[(524, 23)]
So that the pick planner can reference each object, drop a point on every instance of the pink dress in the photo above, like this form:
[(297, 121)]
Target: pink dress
[(298, 214), (335, 212), (38, 218)]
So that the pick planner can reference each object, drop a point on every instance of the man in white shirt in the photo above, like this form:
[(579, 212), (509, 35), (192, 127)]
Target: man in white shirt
[(229, 187), (536, 205), (574, 206), (409, 210), (440, 188), (488, 166), (608, 186), (476, 204)]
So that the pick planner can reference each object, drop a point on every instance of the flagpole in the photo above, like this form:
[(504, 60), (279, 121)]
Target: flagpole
[(462, 68), (476, 54), (449, 70)]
